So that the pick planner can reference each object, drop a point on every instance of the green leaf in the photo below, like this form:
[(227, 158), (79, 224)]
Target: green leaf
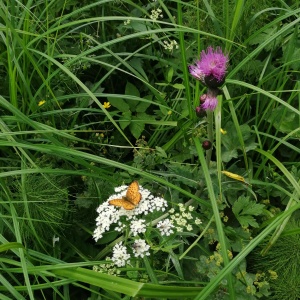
[(9, 246), (265, 35), (283, 120), (228, 155), (136, 127), (142, 106), (231, 141), (170, 74), (178, 86), (161, 152), (119, 103), (132, 90), (125, 120), (137, 64), (244, 209)]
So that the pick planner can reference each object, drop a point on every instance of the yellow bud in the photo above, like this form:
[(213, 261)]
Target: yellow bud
[(234, 176), (223, 131), (42, 102)]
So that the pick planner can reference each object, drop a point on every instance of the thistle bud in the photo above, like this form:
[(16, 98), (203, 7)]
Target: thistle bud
[(206, 145)]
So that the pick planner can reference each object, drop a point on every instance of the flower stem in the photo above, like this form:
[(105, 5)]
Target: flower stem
[(210, 134)]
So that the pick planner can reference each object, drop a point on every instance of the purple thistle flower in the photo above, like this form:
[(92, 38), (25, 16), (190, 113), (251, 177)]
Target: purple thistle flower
[(211, 101), (211, 68), (196, 71)]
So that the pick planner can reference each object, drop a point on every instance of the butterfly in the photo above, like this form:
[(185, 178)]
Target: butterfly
[(132, 198)]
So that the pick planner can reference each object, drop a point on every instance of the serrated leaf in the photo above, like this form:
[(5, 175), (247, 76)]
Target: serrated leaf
[(247, 220), (244, 209), (119, 103)]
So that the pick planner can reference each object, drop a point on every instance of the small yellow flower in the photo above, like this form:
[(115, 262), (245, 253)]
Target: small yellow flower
[(169, 112), (273, 274), (225, 219), (42, 102), (223, 131), (250, 290), (106, 105)]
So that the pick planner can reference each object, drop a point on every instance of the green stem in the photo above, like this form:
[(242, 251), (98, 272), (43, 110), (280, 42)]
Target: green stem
[(197, 239), (210, 134)]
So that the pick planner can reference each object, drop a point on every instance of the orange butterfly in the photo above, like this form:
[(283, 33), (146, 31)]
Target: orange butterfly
[(132, 198)]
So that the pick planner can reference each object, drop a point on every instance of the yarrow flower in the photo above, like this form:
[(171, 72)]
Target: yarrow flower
[(120, 256), (155, 14), (170, 45), (211, 68), (138, 226), (109, 215), (140, 248), (165, 227)]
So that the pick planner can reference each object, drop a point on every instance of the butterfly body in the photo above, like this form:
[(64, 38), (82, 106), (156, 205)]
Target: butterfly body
[(132, 198)]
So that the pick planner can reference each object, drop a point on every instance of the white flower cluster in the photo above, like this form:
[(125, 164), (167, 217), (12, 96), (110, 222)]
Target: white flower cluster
[(182, 220), (137, 226), (165, 227), (127, 22), (140, 248), (155, 14), (120, 256), (170, 45), (109, 214)]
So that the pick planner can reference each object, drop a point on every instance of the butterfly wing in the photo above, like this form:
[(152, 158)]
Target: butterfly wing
[(122, 203), (133, 195)]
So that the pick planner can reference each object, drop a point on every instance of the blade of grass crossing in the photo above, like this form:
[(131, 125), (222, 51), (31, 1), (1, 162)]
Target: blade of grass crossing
[(219, 225), (184, 63), (237, 126), (19, 240)]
